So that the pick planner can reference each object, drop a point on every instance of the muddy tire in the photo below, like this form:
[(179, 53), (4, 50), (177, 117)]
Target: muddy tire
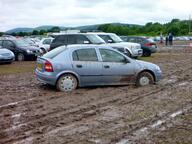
[(144, 79), (146, 53), (20, 57), (66, 83)]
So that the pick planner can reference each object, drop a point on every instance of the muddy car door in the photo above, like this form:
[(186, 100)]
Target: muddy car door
[(116, 68), (86, 65)]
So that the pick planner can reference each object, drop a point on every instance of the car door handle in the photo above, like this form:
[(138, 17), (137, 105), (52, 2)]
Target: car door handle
[(79, 66), (106, 66)]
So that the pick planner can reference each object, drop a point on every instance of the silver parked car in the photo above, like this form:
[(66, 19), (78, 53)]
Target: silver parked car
[(44, 44), (91, 65), (6, 56), (131, 49)]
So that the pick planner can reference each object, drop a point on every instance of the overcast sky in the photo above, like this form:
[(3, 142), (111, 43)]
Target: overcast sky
[(33, 13)]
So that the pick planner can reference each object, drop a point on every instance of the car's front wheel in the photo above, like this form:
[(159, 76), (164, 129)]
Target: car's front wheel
[(66, 83), (144, 79), (20, 57)]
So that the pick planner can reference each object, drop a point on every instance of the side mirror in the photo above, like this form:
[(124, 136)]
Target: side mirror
[(110, 41), (126, 61), (86, 42)]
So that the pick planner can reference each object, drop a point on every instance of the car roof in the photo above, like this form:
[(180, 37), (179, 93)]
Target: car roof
[(101, 33), (76, 34), (136, 37), (80, 46)]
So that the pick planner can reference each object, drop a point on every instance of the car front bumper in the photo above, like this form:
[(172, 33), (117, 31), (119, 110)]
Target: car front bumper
[(7, 60), (137, 52), (158, 76)]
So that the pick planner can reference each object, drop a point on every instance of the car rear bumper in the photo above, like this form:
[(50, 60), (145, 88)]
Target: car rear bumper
[(151, 49), (45, 77)]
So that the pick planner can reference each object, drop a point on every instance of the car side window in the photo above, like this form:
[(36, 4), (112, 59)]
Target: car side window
[(81, 39), (111, 56), (106, 38), (85, 55), (8, 44), (71, 39), (139, 40), (61, 39), (47, 41), (132, 40), (1, 44)]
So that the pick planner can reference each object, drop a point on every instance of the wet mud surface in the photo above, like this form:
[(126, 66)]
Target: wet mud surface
[(31, 113)]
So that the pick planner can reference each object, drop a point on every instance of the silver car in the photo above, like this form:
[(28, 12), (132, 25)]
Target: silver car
[(91, 65), (6, 56), (131, 49)]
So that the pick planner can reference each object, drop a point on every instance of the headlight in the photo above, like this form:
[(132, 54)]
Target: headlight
[(157, 68), (29, 51)]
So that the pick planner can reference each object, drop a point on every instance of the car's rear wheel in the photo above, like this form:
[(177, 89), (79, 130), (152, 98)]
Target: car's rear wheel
[(144, 79), (146, 53), (20, 57), (67, 83)]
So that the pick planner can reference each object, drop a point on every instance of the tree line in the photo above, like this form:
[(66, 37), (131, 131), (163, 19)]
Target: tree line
[(176, 27), (35, 32)]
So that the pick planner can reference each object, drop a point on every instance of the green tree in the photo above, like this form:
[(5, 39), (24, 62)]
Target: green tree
[(55, 29), (1, 33), (42, 32), (35, 32)]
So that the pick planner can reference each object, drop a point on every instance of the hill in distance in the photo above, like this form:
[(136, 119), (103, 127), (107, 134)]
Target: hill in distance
[(47, 27)]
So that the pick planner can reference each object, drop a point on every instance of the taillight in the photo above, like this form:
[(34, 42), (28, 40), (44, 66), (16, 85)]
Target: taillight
[(149, 44), (48, 67)]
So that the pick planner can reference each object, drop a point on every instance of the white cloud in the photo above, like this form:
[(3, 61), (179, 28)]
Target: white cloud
[(32, 13)]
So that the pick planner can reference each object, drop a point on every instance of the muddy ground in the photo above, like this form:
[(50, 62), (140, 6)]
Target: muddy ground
[(34, 113)]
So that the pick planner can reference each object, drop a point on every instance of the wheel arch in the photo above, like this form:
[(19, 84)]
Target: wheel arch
[(149, 71), (71, 73)]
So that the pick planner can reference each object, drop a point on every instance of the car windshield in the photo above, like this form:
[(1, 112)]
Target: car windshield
[(22, 43), (54, 52), (115, 38), (29, 41), (150, 40), (95, 39)]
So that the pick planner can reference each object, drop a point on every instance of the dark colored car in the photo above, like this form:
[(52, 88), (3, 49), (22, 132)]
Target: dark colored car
[(70, 39), (148, 45), (21, 49)]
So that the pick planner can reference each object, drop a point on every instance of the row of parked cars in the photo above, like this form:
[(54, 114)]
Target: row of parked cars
[(29, 48), (21, 49)]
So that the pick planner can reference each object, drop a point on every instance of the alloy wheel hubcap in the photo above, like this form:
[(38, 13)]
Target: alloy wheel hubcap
[(67, 83), (144, 81), (20, 57)]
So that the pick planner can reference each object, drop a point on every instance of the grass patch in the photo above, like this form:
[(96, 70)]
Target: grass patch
[(17, 67)]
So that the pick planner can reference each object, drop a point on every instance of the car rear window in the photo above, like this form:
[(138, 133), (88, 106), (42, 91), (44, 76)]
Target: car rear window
[(150, 40), (54, 52)]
